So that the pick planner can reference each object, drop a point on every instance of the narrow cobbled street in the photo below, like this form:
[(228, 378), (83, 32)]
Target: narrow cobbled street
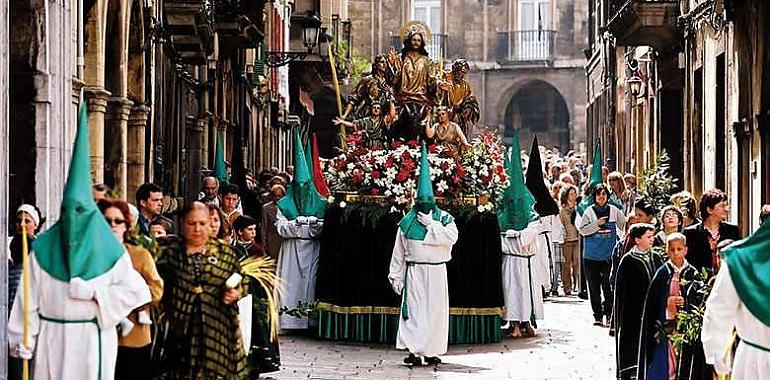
[(567, 347)]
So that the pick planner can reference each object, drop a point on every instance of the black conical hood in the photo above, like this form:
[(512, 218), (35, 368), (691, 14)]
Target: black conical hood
[(545, 205)]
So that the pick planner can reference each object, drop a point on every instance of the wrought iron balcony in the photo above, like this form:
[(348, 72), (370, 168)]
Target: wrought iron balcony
[(436, 47), (526, 45), (643, 22)]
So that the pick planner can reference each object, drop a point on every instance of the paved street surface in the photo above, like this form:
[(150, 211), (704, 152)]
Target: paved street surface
[(567, 347)]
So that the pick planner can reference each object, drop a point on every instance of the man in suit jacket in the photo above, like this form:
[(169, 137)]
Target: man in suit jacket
[(704, 237)]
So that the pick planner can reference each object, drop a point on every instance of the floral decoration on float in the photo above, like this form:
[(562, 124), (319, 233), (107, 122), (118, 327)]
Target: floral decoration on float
[(389, 176)]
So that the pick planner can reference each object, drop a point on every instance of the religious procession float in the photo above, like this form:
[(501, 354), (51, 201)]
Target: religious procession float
[(405, 101)]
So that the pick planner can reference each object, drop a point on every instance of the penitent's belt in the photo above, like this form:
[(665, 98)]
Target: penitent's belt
[(404, 304), (757, 346), (81, 321)]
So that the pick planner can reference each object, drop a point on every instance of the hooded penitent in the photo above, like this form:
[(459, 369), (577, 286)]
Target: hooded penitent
[(302, 198), (749, 263), (516, 210), (596, 178), (220, 168), (425, 202), (80, 244), (545, 204)]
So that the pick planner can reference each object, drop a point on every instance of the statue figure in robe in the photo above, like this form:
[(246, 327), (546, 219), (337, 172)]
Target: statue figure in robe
[(414, 80), (373, 89), (456, 93)]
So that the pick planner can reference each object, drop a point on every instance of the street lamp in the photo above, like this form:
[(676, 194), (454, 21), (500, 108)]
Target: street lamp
[(310, 24), (634, 84)]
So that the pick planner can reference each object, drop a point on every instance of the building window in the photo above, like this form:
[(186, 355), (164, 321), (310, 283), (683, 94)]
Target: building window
[(534, 37), (429, 12)]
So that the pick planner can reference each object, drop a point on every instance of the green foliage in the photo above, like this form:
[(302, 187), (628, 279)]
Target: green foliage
[(133, 237), (657, 185), (303, 310), (357, 67), (687, 326)]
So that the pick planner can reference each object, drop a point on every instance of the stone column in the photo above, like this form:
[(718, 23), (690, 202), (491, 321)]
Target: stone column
[(96, 98), (116, 144), (137, 123), (5, 133), (195, 128)]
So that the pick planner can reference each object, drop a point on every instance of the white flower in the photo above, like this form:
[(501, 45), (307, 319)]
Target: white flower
[(480, 208), (343, 204), (331, 199), (393, 209)]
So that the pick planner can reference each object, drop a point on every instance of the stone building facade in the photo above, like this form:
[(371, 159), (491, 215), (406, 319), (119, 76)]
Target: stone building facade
[(161, 79), (526, 56), (690, 77)]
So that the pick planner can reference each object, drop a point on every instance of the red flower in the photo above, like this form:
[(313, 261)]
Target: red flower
[(402, 175), (376, 174), (432, 148), (357, 177), (375, 191), (445, 166)]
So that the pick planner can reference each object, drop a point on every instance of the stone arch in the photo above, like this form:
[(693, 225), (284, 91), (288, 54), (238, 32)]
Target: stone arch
[(136, 50), (136, 93), (114, 51), (118, 106), (93, 36), (538, 107)]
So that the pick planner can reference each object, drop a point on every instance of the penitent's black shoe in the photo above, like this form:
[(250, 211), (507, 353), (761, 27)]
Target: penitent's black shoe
[(433, 360), (415, 360), (583, 295)]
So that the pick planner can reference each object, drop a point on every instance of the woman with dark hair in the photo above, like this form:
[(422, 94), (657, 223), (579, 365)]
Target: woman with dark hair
[(570, 272), (601, 225), (134, 341), (671, 220), (200, 303), (703, 238), (218, 227)]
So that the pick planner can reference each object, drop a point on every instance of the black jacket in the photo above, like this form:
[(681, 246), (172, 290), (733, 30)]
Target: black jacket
[(698, 248)]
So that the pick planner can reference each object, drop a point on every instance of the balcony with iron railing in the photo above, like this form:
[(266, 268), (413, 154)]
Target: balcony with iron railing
[(526, 45), (643, 22), (436, 47)]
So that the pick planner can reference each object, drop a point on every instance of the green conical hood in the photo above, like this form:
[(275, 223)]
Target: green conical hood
[(220, 168), (80, 244), (424, 202), (516, 210), (302, 198), (749, 263), (596, 178)]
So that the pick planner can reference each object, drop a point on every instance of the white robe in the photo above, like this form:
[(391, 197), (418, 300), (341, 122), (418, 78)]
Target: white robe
[(297, 267), (520, 290), (70, 350), (724, 310), (545, 248), (426, 331)]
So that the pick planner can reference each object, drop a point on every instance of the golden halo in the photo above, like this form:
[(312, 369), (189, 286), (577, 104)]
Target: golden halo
[(417, 26)]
